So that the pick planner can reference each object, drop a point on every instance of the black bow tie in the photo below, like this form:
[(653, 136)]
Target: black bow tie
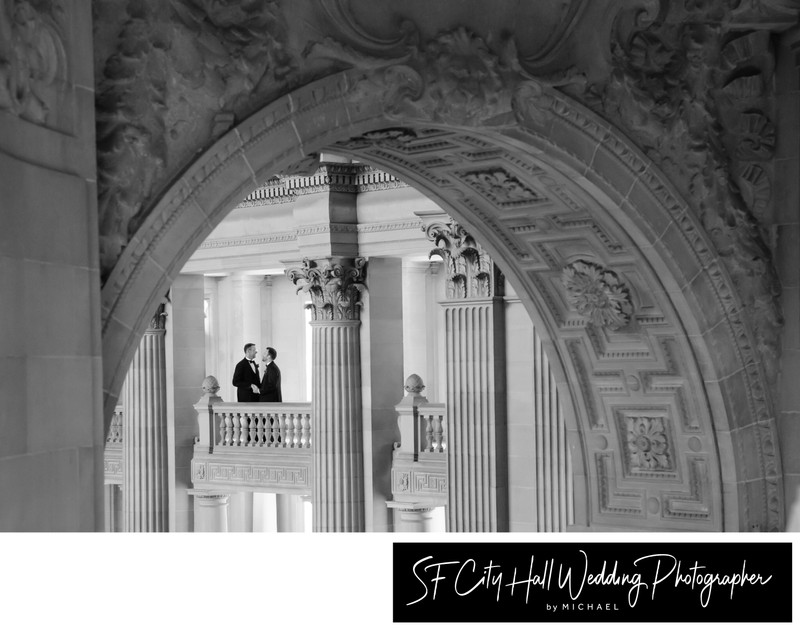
[(253, 362)]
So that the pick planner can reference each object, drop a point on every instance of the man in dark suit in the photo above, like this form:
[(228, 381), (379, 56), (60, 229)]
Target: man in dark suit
[(246, 378), (271, 381)]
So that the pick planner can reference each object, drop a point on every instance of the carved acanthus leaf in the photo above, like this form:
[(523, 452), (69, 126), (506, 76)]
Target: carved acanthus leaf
[(334, 286), (471, 273)]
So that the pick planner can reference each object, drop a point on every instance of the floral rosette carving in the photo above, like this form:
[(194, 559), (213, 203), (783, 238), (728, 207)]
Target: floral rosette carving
[(334, 288), (647, 444), (598, 294)]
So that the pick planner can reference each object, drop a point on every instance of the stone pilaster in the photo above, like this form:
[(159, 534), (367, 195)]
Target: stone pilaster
[(145, 468), (334, 286), (475, 378)]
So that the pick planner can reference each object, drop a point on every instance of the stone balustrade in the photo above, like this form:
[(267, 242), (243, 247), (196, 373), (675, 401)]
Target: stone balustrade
[(253, 447), (263, 425), (419, 463)]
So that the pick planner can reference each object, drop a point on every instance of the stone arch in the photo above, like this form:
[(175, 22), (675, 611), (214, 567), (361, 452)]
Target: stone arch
[(697, 392)]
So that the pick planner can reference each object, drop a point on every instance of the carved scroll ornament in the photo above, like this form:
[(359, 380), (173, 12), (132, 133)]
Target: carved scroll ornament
[(334, 286)]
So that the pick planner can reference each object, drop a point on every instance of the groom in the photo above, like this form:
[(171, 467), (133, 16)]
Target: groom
[(246, 378)]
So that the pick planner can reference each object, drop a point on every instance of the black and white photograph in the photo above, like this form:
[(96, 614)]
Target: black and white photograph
[(399, 313)]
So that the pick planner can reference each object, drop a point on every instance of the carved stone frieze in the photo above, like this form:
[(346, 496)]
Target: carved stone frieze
[(33, 62), (598, 294), (170, 76), (334, 286), (501, 187), (693, 89), (470, 271)]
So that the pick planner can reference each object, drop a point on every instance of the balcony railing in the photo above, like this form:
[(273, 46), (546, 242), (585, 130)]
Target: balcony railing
[(266, 447), (419, 463), (263, 425), (261, 447)]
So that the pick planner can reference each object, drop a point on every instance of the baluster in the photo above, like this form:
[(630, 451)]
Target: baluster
[(236, 435), (438, 434), (225, 429), (428, 446), (253, 422), (259, 438), (306, 435), (269, 437), (282, 423), (296, 437)]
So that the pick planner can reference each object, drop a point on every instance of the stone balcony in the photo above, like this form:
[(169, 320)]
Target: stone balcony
[(267, 447)]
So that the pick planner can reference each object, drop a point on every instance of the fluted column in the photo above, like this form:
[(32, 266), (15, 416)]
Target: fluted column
[(145, 469), (334, 286), (477, 460)]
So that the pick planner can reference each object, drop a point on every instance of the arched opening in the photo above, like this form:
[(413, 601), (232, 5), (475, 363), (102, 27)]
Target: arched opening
[(661, 388)]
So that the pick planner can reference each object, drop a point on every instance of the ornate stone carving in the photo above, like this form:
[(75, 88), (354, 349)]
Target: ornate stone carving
[(470, 271), (159, 320), (501, 187), (598, 294), (173, 75), (334, 286), (647, 446), (33, 62), (696, 100)]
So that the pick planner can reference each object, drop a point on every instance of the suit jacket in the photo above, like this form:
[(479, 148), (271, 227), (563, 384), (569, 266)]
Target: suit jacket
[(271, 384), (243, 378)]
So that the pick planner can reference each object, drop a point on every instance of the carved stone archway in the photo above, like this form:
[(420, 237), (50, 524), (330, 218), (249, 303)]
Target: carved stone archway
[(668, 411), (638, 246)]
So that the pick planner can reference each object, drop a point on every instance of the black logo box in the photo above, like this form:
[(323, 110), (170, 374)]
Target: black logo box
[(592, 582)]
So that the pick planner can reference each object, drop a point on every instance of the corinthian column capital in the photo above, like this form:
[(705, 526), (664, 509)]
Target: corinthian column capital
[(471, 273), (334, 286)]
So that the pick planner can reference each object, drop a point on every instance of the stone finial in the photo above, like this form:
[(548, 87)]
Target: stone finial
[(210, 386), (414, 384)]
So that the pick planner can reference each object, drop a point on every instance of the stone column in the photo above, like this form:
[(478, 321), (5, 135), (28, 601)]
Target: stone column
[(210, 510), (411, 518), (145, 468), (334, 286), (475, 380)]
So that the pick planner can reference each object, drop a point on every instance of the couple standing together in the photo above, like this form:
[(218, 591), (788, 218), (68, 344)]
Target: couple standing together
[(252, 386)]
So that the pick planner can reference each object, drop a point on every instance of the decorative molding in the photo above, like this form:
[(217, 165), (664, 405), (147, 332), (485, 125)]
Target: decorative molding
[(598, 294), (287, 237), (694, 503), (471, 273), (248, 241), (501, 187), (334, 286), (613, 500), (417, 481), (253, 474)]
